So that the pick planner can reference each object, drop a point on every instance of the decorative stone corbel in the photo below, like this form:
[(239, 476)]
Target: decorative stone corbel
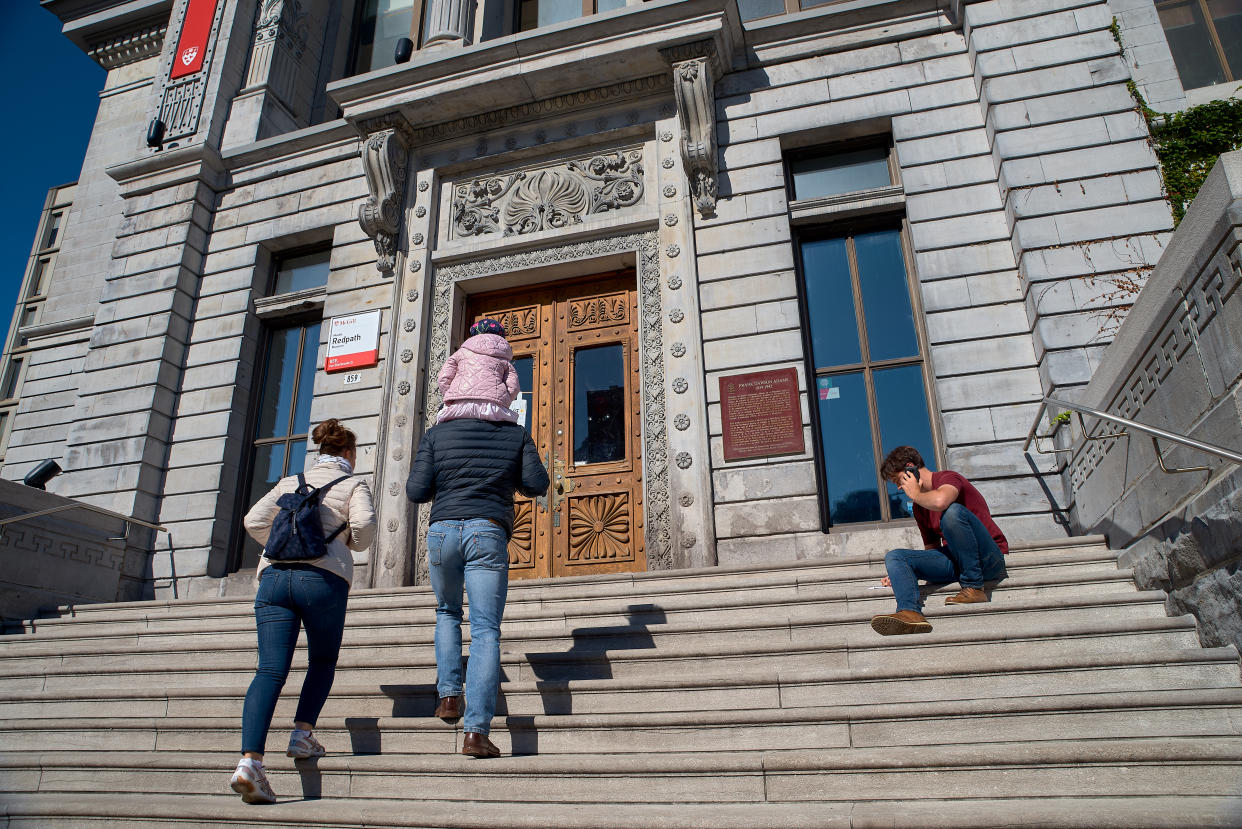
[(384, 161), (695, 67)]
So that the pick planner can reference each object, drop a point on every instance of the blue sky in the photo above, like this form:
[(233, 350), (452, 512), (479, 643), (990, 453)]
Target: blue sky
[(50, 91)]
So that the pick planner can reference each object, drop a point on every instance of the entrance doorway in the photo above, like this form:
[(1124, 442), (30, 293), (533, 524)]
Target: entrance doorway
[(575, 347)]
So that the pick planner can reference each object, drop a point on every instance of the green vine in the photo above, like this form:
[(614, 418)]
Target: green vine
[(1187, 144)]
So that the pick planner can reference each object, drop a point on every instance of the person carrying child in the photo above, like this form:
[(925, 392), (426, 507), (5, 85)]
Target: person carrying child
[(478, 380)]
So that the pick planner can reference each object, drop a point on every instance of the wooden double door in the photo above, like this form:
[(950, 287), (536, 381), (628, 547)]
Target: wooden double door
[(576, 351)]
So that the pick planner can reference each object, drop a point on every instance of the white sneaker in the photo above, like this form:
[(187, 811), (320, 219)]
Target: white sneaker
[(302, 745), (250, 782)]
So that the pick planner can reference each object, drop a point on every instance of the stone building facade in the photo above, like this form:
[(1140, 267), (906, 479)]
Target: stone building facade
[(671, 180)]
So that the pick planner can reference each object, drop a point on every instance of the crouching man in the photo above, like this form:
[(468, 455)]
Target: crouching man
[(962, 542)]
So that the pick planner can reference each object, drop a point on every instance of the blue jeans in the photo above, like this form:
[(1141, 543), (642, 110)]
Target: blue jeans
[(969, 556), (289, 597), (473, 554)]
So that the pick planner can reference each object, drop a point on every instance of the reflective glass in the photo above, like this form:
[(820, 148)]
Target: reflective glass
[(886, 295), (1227, 18), (599, 404), (300, 273), (830, 303), (306, 380), (526, 381), (828, 175), (53, 230), (1192, 48), (269, 467), (608, 5), (276, 401), (849, 460), (11, 377), (38, 282), (297, 457), (383, 23), (754, 9), (902, 404)]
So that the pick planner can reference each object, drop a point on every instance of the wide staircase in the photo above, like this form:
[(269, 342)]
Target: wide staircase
[(755, 697)]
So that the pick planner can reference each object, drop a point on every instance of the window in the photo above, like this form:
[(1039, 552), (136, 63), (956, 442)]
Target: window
[(381, 23), (286, 389), (820, 175), (1205, 37), (12, 379), (53, 230), (4, 430), (533, 14), (38, 281), (755, 9)]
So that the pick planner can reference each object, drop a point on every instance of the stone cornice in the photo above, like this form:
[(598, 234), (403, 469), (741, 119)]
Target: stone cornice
[(91, 23), (130, 48), (197, 162), (452, 91)]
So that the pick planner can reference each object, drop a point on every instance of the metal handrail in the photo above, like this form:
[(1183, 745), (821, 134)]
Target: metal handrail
[(128, 519), (1157, 434)]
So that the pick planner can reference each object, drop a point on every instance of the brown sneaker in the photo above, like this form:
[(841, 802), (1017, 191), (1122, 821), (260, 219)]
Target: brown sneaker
[(477, 745), (449, 709), (903, 621), (967, 595)]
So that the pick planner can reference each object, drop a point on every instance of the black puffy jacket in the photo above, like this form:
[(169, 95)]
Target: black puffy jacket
[(469, 468)]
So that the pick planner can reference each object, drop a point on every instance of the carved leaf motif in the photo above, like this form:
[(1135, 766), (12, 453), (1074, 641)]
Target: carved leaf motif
[(601, 310), (545, 200), (599, 528), (521, 543), (620, 176), (519, 323), (474, 204)]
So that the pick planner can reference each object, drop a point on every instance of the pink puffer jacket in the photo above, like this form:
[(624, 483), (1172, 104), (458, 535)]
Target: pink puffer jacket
[(480, 370)]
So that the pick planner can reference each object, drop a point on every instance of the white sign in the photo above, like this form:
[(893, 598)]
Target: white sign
[(353, 341), (350, 379), (519, 406)]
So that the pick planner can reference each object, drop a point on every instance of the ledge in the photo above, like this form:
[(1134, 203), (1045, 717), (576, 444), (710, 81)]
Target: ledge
[(49, 329), (847, 204), (196, 162), (284, 305)]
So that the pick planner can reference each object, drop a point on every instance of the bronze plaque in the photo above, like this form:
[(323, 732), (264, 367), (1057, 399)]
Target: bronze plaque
[(760, 415)]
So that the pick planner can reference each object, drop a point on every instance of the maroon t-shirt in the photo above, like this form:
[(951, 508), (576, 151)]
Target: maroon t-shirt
[(967, 496)]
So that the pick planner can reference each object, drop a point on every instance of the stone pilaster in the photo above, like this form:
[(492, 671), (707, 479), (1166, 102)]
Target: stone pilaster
[(448, 22)]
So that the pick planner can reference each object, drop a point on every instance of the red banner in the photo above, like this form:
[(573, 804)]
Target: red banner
[(188, 58)]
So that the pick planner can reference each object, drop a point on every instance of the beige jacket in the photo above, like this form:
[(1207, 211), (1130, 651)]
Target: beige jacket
[(347, 502)]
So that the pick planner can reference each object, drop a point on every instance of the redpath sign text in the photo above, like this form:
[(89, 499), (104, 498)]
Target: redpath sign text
[(353, 341)]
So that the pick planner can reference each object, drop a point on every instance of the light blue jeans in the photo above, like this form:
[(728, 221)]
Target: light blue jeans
[(969, 557), (473, 554)]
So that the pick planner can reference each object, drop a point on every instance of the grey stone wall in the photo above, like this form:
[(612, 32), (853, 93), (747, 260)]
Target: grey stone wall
[(1147, 53), (68, 557), (1177, 364)]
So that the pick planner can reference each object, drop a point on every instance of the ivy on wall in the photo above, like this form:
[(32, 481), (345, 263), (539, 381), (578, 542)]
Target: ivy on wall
[(1187, 143)]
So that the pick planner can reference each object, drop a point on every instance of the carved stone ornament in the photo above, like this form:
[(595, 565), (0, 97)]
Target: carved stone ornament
[(672, 251), (667, 163), (666, 136), (676, 315), (678, 350), (392, 525), (669, 191), (684, 460), (680, 385), (402, 420), (654, 434), (695, 68), (398, 453), (415, 266), (409, 325), (686, 499), (394, 488), (670, 220), (565, 194), (682, 422), (422, 186), (417, 239), (411, 295), (689, 540), (406, 355), (384, 161), (674, 282), (420, 211), (403, 387)]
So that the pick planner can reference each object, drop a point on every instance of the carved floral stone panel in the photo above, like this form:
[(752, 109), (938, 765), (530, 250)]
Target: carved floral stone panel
[(548, 197)]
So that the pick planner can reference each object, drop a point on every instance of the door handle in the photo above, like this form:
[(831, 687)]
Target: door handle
[(542, 500), (561, 486)]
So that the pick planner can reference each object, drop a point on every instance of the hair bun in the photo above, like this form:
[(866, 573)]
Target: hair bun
[(332, 437)]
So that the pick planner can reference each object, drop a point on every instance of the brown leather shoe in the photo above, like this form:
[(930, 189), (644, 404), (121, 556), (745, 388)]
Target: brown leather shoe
[(449, 709), (967, 595), (903, 621), (477, 745)]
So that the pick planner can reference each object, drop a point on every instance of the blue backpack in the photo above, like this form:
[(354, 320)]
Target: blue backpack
[(297, 531)]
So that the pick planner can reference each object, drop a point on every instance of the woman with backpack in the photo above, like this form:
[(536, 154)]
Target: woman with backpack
[(308, 525)]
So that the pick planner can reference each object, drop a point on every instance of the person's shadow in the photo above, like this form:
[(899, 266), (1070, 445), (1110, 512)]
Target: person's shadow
[(587, 658)]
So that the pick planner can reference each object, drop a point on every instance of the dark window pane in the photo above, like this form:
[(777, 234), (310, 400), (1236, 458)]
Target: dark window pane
[(269, 466), (297, 458), (830, 303), (886, 295), (849, 459), (1227, 17), (1192, 48), (276, 400), (902, 405), (827, 175), (53, 230), (306, 380), (301, 273), (38, 282), (599, 404), (608, 5), (11, 377), (526, 380), (537, 13), (754, 9), (383, 23), (29, 315)]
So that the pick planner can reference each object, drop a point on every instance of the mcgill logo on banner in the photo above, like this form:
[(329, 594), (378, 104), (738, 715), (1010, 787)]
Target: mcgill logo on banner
[(192, 45)]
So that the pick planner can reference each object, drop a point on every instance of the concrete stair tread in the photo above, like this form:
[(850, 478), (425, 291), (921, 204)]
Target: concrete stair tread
[(1182, 812)]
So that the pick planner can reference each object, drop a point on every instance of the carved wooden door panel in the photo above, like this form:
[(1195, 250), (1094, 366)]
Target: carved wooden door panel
[(575, 347)]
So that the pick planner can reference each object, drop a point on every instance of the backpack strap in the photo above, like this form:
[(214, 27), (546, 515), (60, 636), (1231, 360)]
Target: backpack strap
[(322, 490)]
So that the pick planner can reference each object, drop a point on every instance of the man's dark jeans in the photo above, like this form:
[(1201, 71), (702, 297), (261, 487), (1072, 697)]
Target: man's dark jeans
[(288, 597), (970, 557)]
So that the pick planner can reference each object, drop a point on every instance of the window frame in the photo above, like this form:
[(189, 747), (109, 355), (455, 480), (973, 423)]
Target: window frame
[(418, 30), (589, 8), (1209, 24), (850, 215)]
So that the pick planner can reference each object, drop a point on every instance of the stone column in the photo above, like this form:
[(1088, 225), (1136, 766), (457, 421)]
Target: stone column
[(448, 22)]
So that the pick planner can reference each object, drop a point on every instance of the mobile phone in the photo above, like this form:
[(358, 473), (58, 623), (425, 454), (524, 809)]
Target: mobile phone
[(913, 470)]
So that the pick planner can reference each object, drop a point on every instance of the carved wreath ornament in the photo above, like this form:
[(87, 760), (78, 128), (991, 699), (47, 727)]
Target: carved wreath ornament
[(531, 201)]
